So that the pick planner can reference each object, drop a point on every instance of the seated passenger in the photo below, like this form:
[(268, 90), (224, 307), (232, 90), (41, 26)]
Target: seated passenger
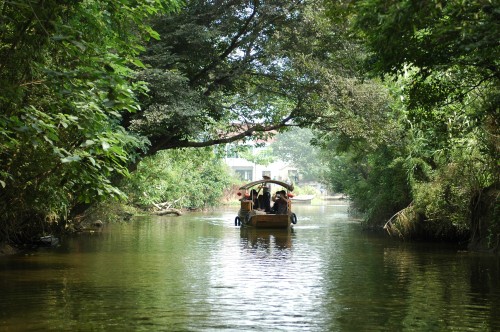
[(254, 198), (266, 199), (261, 202), (281, 203)]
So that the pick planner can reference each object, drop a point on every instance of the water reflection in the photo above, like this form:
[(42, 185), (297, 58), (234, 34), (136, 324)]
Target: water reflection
[(266, 238), (200, 273), (411, 287)]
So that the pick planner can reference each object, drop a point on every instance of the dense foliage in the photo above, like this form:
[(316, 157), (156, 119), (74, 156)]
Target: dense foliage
[(65, 80), (443, 158), (88, 88), (228, 70), (449, 53), (184, 178)]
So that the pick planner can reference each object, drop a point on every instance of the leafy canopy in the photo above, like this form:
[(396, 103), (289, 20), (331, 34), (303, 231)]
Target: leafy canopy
[(66, 73), (449, 48), (232, 70)]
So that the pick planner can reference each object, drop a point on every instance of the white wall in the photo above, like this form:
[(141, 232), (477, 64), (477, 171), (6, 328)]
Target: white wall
[(277, 170)]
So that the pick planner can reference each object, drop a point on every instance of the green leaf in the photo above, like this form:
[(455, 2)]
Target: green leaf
[(138, 63), (48, 140), (60, 37), (81, 46), (152, 33)]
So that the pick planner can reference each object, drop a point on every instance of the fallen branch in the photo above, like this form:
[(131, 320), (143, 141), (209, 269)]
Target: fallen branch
[(165, 205), (398, 216), (168, 211)]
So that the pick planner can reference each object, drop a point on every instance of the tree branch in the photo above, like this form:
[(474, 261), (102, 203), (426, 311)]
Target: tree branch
[(256, 128), (231, 47)]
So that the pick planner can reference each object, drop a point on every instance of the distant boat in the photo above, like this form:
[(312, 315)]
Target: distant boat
[(302, 199), (337, 197), (249, 217)]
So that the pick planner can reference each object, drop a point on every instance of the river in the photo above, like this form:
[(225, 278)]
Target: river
[(198, 272)]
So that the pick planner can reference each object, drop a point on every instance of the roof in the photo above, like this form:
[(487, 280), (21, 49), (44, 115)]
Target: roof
[(256, 183)]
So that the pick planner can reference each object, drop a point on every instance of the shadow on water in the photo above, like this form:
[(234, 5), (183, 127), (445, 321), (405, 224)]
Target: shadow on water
[(266, 238)]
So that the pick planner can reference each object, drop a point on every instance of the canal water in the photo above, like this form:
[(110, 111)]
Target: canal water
[(199, 272)]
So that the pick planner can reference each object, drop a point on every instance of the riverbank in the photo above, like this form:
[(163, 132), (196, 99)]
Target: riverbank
[(6, 249)]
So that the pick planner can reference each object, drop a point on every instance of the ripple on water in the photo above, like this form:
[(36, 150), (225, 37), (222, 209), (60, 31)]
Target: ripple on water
[(198, 272)]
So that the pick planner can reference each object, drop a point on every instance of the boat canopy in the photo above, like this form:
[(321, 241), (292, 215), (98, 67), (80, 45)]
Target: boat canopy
[(288, 186)]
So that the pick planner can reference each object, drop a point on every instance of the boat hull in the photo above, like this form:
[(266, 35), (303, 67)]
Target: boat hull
[(252, 219), (302, 199)]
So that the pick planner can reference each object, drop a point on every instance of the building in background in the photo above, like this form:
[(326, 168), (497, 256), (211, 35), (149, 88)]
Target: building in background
[(251, 171)]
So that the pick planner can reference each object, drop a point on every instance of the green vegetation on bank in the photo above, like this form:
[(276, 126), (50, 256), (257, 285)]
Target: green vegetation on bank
[(100, 100), (184, 178), (66, 79), (443, 60)]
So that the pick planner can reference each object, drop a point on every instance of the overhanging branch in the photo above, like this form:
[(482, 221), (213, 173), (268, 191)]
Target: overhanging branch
[(250, 131)]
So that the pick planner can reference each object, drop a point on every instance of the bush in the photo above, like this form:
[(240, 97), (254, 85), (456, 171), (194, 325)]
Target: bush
[(186, 178)]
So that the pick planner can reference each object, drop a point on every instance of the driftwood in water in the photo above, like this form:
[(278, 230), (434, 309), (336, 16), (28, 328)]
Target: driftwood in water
[(168, 211), (166, 208)]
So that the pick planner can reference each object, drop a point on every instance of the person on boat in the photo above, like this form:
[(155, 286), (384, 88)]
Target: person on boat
[(266, 199), (254, 198), (275, 196), (281, 203)]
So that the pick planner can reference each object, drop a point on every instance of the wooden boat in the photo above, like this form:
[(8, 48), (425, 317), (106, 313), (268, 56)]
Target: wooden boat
[(250, 217), (302, 199)]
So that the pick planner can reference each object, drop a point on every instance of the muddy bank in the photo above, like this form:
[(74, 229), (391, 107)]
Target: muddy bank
[(6, 249)]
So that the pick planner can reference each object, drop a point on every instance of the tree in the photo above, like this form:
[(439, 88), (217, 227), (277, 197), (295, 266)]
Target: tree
[(448, 53), (66, 73), (257, 155), (445, 55), (294, 146), (451, 47), (231, 70), (185, 178)]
